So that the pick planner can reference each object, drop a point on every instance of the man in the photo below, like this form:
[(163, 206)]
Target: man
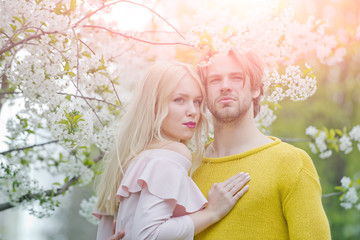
[(284, 199)]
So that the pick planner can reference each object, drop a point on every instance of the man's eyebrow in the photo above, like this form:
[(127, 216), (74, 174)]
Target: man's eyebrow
[(236, 73), (230, 74), (214, 75)]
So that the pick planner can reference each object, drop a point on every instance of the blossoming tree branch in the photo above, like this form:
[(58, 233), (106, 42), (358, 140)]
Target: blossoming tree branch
[(69, 69)]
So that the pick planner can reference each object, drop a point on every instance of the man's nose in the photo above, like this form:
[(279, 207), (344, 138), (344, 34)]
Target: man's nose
[(225, 84)]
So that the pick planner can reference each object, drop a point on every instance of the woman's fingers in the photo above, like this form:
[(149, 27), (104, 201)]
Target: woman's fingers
[(234, 180), (238, 184), (240, 193), (229, 180)]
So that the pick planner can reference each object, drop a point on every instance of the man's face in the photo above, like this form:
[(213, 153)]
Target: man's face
[(229, 94)]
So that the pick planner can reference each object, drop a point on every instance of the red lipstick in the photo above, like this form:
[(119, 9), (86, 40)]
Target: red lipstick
[(190, 124)]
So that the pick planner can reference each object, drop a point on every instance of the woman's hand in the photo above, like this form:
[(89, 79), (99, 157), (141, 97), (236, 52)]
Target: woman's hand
[(223, 196), (221, 199)]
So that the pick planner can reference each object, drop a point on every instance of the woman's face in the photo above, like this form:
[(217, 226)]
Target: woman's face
[(184, 110)]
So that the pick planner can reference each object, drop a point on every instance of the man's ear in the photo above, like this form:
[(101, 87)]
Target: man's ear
[(255, 93)]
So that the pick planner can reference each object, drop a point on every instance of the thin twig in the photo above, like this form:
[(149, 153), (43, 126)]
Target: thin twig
[(138, 4), (48, 193), (27, 147), (4, 93), (295, 139), (3, 50), (137, 39), (112, 83), (87, 46), (77, 60), (157, 14), (90, 98), (331, 194), (83, 97)]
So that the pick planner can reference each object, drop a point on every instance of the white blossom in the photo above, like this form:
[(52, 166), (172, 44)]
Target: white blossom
[(346, 205), (345, 144), (325, 154), (351, 196), (355, 133), (87, 206), (345, 182), (311, 131), (265, 117), (313, 148), (320, 142)]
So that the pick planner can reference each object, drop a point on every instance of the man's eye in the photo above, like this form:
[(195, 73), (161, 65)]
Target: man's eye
[(238, 78), (197, 102), (214, 80)]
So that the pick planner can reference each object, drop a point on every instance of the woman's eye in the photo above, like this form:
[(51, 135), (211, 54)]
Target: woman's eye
[(179, 100)]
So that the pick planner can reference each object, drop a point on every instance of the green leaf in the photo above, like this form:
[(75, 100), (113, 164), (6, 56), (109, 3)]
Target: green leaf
[(18, 19), (77, 118), (71, 74), (63, 121), (86, 54), (67, 67), (72, 5), (338, 132), (332, 134), (339, 188), (68, 97), (66, 179), (13, 27), (67, 115), (344, 130)]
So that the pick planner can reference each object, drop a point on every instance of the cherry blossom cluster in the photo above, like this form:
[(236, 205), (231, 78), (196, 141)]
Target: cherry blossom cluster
[(15, 185), (351, 193), (293, 84), (87, 206), (277, 39), (325, 141)]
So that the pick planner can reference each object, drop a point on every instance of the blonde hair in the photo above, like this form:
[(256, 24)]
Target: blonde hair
[(142, 125)]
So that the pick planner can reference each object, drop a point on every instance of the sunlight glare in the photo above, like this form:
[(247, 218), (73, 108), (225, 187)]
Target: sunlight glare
[(129, 17)]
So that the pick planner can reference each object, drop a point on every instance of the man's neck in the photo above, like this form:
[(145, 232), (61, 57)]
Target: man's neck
[(235, 137)]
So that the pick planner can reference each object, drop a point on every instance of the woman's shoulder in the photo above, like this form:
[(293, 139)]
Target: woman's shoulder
[(178, 148)]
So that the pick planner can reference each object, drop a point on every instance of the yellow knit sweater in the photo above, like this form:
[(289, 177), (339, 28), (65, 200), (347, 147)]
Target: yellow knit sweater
[(283, 201)]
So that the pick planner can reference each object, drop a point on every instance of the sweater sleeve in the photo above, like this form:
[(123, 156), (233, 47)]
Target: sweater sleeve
[(303, 208), (152, 219)]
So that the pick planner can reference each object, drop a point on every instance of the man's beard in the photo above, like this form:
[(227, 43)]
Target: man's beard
[(229, 115)]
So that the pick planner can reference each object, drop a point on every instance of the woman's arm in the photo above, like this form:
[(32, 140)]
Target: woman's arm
[(153, 217)]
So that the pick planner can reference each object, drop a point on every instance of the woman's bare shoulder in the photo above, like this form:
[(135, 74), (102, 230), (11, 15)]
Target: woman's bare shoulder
[(179, 148)]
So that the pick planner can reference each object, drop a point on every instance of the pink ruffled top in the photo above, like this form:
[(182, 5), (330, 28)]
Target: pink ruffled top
[(155, 196)]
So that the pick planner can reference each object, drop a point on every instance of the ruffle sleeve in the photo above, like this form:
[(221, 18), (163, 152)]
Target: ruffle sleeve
[(165, 174)]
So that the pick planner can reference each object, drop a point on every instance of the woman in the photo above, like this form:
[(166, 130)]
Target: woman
[(145, 183)]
